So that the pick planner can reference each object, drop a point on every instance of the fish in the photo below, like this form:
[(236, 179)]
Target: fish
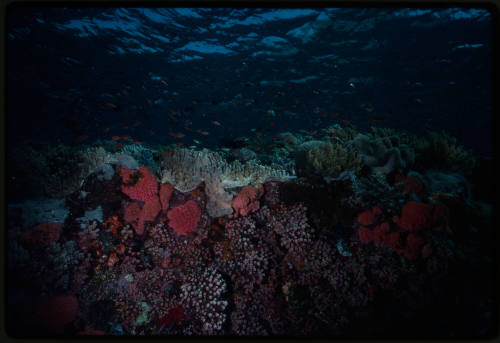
[(115, 138), (204, 133), (151, 132), (345, 122), (125, 137), (376, 119), (136, 142), (196, 141), (215, 122), (81, 138), (179, 143), (136, 123), (164, 82), (258, 133)]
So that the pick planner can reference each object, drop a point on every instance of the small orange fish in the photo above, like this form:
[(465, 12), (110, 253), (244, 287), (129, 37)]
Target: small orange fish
[(125, 137), (111, 106), (313, 132), (376, 119), (119, 145), (136, 142), (235, 150), (179, 135), (256, 148), (105, 129), (335, 115), (204, 133), (370, 109), (179, 143), (115, 138), (287, 139), (258, 133), (277, 136), (215, 122), (345, 122), (124, 125), (170, 153)]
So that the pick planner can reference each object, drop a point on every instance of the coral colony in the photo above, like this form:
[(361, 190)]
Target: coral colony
[(191, 244)]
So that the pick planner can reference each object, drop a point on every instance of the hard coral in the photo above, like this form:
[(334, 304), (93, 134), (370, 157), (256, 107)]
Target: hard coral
[(184, 218)]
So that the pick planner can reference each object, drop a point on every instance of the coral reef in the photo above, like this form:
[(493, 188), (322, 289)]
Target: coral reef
[(185, 169)]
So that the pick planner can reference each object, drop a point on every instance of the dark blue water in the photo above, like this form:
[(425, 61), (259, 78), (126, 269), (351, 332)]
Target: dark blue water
[(75, 73)]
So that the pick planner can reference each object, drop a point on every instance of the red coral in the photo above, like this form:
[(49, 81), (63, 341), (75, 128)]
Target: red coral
[(247, 200), (53, 313), (43, 234), (365, 235), (415, 216), (392, 240), (366, 218), (427, 250), (413, 244), (175, 314), (126, 174), (413, 184), (146, 189), (185, 218), (166, 191), (380, 232)]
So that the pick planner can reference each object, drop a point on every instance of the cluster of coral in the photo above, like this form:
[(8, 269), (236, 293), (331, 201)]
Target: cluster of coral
[(187, 242)]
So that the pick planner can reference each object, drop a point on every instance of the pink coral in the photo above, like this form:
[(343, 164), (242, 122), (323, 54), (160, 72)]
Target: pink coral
[(146, 189), (247, 200), (184, 218)]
